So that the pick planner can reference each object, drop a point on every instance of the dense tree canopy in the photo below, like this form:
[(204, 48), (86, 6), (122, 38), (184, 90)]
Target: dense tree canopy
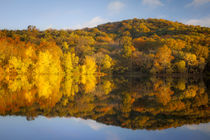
[(137, 45)]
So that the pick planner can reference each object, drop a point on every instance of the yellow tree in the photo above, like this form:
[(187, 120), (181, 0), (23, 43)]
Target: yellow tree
[(17, 65), (104, 62), (191, 60), (181, 66), (89, 66), (107, 62), (175, 44), (46, 64), (162, 60), (70, 62), (127, 44), (65, 46)]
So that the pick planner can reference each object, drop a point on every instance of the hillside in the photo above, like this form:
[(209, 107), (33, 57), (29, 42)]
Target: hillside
[(136, 45)]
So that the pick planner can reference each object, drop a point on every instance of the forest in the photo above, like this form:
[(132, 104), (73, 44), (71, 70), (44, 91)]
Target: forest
[(152, 46), (82, 73)]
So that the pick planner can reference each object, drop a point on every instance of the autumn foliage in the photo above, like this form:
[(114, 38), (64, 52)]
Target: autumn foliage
[(137, 45)]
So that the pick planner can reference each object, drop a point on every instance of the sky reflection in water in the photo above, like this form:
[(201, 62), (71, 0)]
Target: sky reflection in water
[(76, 128)]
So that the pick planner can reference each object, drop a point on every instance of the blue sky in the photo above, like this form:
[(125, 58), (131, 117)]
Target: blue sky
[(72, 14)]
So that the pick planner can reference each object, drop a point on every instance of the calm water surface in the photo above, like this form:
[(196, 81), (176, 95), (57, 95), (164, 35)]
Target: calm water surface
[(106, 108)]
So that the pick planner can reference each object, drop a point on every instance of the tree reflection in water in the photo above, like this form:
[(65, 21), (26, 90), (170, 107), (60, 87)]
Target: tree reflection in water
[(136, 103)]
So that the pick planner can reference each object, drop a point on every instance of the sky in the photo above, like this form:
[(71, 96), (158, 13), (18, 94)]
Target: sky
[(76, 14)]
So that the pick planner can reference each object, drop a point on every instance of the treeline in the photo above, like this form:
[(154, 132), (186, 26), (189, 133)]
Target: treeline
[(17, 57), (140, 103), (137, 45)]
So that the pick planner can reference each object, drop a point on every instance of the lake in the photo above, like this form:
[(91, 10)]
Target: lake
[(105, 108)]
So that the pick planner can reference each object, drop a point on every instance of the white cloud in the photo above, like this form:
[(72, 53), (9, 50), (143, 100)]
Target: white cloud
[(91, 123), (200, 127), (49, 27), (198, 2), (115, 7), (92, 23), (202, 22), (153, 3)]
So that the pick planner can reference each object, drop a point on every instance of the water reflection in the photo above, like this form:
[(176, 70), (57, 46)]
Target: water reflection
[(131, 102)]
